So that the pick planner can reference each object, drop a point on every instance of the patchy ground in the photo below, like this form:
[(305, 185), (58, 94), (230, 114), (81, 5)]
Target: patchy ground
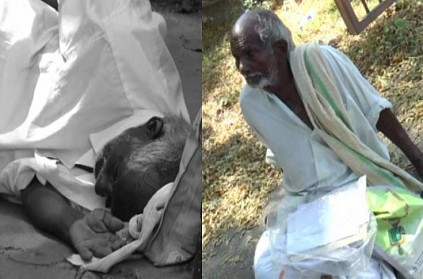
[(25, 253), (237, 182)]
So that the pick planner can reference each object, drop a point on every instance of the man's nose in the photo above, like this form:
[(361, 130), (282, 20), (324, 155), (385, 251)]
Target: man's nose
[(101, 188)]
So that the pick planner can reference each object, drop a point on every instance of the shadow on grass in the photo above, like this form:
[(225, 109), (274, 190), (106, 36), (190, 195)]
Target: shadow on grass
[(216, 32), (241, 158), (237, 151)]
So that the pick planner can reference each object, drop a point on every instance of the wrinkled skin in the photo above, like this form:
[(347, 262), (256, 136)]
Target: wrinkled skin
[(264, 65), (95, 234), (252, 59), (137, 163)]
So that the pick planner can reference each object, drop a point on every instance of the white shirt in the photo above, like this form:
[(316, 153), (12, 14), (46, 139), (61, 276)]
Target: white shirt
[(307, 162)]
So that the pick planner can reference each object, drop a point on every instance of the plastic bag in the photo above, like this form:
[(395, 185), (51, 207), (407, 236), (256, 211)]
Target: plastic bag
[(333, 234), (399, 238)]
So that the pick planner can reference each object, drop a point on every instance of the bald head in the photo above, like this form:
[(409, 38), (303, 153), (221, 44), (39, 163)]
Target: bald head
[(247, 21), (263, 25)]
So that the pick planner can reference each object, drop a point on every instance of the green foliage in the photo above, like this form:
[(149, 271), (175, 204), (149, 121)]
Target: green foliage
[(399, 35), (251, 4), (389, 41)]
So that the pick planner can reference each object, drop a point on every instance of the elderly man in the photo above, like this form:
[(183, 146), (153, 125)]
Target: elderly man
[(310, 106)]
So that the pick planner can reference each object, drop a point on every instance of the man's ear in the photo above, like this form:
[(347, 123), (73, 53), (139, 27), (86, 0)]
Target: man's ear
[(155, 127), (280, 47)]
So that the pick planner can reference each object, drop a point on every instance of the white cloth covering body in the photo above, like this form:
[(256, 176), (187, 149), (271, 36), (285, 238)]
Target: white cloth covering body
[(310, 167), (72, 80)]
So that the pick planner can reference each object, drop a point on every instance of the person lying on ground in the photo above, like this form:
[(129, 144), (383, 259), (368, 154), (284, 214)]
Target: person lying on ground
[(71, 81)]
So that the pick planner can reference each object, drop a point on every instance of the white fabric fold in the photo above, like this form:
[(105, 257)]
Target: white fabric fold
[(74, 79), (76, 185)]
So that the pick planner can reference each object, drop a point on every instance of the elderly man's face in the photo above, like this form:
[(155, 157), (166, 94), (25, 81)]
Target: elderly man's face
[(252, 59), (138, 162)]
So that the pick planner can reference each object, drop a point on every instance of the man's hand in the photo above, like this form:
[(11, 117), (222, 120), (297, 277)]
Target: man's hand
[(389, 125), (94, 235)]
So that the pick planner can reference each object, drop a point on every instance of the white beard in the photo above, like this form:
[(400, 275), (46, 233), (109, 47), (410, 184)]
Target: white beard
[(265, 81), (262, 84)]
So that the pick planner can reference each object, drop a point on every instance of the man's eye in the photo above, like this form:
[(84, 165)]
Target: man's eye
[(115, 175), (250, 54), (99, 165)]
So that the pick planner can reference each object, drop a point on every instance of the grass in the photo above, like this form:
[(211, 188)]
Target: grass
[(236, 180)]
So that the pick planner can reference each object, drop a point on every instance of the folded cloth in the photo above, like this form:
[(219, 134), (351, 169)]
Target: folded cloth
[(328, 115), (176, 239), (75, 184)]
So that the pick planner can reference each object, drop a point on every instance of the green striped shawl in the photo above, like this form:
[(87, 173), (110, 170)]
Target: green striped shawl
[(328, 115)]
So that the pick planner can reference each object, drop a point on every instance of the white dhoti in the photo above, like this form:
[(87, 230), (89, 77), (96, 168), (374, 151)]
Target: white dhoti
[(264, 267)]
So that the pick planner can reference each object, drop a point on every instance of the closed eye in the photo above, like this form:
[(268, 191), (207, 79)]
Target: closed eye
[(115, 173)]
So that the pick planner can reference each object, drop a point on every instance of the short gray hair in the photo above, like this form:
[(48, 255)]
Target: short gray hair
[(271, 29)]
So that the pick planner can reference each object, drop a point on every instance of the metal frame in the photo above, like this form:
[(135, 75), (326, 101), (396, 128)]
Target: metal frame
[(354, 25)]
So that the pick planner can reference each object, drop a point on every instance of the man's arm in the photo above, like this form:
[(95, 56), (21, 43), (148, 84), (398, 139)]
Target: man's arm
[(93, 234), (49, 210), (389, 125)]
